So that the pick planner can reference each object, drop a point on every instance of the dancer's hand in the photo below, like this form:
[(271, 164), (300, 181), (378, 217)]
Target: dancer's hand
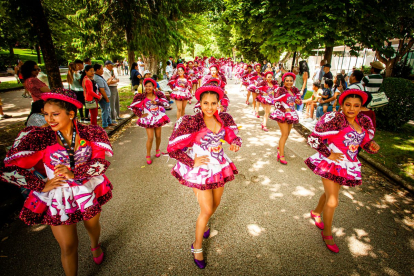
[(336, 156), (288, 110), (200, 160), (234, 147), (297, 101), (53, 183), (153, 102), (144, 115), (374, 146), (62, 170)]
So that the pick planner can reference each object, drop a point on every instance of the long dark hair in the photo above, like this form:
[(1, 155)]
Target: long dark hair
[(134, 64), (27, 69), (83, 75), (36, 108), (303, 67), (340, 81)]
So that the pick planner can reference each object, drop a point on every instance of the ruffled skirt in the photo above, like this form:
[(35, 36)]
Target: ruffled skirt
[(252, 88), (181, 95), (285, 117), (205, 177), (68, 204), (265, 99), (153, 120)]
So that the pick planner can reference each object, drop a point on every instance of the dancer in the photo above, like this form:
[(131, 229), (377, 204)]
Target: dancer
[(245, 81), (196, 143), (74, 161), (214, 74), (224, 102), (253, 79), (192, 77), (267, 87), (149, 107), (285, 98), (337, 137), (181, 90)]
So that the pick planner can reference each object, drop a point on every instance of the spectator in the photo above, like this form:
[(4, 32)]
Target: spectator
[(355, 80), (345, 76), (36, 116), (302, 81), (264, 66), (141, 66), (173, 64), (125, 67), (350, 72), (315, 76), (91, 93), (327, 75), (155, 77), (36, 87), (104, 103), (372, 84), (118, 68), (268, 68), (19, 77), (76, 86), (327, 93), (135, 76), (169, 70), (87, 61), (312, 102), (112, 81), (322, 72), (147, 74), (319, 110), (339, 80)]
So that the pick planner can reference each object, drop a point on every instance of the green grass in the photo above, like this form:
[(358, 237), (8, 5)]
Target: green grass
[(24, 54), (308, 94), (125, 98), (10, 84), (397, 151)]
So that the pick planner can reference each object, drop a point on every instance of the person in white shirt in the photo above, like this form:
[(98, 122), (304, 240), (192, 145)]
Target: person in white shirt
[(112, 81), (141, 66), (169, 70)]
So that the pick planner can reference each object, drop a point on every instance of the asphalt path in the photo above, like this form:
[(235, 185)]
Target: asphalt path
[(262, 226)]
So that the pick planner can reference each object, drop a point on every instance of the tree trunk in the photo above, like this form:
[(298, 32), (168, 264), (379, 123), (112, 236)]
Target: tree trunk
[(129, 39), (11, 50), (45, 41), (328, 54), (287, 56), (39, 59)]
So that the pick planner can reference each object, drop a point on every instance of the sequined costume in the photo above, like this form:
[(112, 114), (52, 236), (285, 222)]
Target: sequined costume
[(80, 198), (267, 93), (253, 79), (181, 88), (156, 112), (285, 106), (207, 77), (333, 133), (191, 136), (244, 77)]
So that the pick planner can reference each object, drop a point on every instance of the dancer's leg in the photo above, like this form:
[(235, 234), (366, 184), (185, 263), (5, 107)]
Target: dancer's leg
[(94, 231), (67, 237)]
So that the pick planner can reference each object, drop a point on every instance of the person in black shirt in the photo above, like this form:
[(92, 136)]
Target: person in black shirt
[(328, 74)]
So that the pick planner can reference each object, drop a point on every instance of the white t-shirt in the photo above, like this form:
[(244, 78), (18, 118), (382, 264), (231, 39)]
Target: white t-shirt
[(140, 65), (106, 75)]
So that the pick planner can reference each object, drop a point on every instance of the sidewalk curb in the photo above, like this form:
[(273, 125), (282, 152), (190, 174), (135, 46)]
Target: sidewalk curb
[(11, 89), (14, 201), (364, 156)]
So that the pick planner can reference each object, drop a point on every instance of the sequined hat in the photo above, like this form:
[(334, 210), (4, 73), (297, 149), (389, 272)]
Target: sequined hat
[(209, 87), (289, 74), (150, 80), (62, 94), (268, 72), (361, 93), (215, 65), (181, 66)]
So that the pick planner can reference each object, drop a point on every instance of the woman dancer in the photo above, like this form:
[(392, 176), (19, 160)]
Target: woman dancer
[(76, 188), (196, 143), (336, 161), (285, 98), (224, 102), (192, 77), (214, 74), (253, 79), (245, 81), (149, 107), (181, 90), (267, 88)]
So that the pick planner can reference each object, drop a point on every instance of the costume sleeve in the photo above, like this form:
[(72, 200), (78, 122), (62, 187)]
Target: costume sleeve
[(172, 81), (181, 139), (26, 152), (297, 94), (137, 105), (231, 130), (225, 101), (101, 146), (369, 129), (162, 100), (328, 125)]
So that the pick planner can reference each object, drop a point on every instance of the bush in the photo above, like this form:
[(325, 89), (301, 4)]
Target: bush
[(400, 108), (94, 61), (42, 67)]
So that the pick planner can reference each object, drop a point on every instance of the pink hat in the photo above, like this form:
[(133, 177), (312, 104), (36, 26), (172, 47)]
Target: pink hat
[(63, 95), (249, 65), (219, 82), (257, 64), (268, 72), (188, 62), (209, 87), (363, 95), (215, 65), (289, 74), (151, 80), (181, 66)]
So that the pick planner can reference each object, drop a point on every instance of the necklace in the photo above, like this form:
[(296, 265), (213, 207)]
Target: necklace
[(70, 149)]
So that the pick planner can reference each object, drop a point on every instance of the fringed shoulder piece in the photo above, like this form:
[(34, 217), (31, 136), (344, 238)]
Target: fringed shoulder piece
[(29, 141), (330, 123), (231, 129), (97, 136), (367, 124)]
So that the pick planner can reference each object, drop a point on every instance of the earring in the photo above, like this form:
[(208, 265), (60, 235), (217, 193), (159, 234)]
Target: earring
[(71, 118)]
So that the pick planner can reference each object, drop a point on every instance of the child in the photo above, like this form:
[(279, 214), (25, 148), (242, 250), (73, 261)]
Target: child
[(327, 92), (312, 102)]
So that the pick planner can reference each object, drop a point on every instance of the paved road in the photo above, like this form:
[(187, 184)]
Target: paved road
[(262, 227)]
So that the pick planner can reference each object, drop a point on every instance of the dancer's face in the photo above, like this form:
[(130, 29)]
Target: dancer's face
[(213, 71), (257, 68), (209, 104), (288, 82), (57, 117), (269, 78), (149, 88), (351, 107), (180, 72)]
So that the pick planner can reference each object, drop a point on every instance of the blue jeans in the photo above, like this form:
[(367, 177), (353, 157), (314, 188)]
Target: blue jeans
[(106, 112), (319, 110), (300, 107)]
